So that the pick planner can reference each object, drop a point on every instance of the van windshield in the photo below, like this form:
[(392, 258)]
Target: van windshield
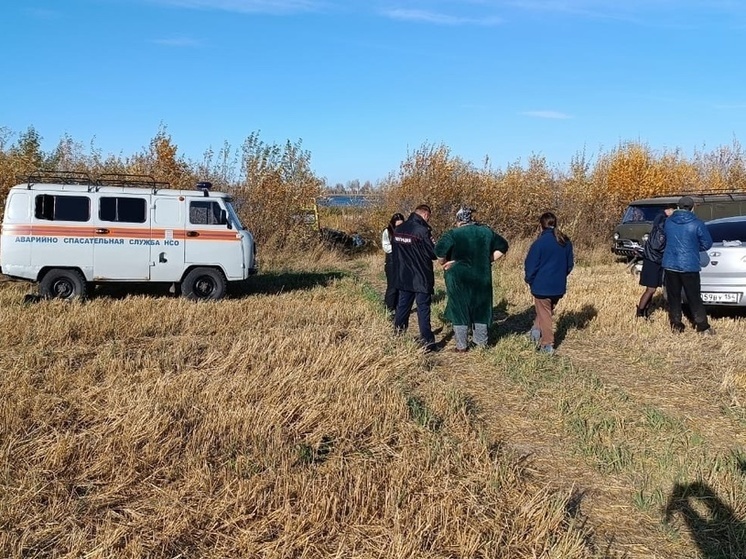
[(232, 215), (640, 214)]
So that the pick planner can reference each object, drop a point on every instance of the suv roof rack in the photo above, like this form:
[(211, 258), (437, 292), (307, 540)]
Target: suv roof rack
[(712, 192), (129, 179), (61, 177)]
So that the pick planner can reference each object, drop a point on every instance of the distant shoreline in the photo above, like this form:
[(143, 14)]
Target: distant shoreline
[(348, 200)]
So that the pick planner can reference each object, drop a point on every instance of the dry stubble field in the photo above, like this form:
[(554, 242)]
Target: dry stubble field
[(287, 421)]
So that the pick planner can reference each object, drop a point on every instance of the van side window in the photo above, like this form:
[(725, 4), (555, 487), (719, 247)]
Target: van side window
[(123, 210), (205, 213), (62, 208)]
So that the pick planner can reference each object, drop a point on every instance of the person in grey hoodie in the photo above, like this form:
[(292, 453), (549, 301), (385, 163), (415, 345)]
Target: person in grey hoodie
[(686, 236)]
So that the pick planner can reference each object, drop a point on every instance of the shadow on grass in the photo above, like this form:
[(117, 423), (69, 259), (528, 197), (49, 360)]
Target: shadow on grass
[(262, 284), (122, 290), (274, 283), (447, 337), (575, 320), (726, 312), (658, 303), (713, 525), (505, 324)]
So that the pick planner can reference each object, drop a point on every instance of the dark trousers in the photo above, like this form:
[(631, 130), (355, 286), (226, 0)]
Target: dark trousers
[(391, 298), (404, 307), (689, 282)]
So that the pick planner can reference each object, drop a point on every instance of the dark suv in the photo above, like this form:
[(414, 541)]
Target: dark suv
[(630, 235)]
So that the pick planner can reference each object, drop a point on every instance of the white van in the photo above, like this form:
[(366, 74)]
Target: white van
[(66, 231)]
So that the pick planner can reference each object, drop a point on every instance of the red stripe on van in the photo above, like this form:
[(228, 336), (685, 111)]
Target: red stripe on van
[(118, 232)]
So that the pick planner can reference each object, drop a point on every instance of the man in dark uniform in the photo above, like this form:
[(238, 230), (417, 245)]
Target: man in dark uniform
[(413, 252)]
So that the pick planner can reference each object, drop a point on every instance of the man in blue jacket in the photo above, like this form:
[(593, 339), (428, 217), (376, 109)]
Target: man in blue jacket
[(686, 236), (413, 252)]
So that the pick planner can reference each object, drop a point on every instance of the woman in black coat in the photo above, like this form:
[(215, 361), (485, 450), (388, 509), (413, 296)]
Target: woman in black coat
[(651, 275)]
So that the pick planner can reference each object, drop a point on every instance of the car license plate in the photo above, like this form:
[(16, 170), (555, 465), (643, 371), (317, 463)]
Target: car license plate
[(720, 297)]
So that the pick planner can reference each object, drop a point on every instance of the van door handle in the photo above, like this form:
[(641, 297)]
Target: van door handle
[(101, 231), (192, 234)]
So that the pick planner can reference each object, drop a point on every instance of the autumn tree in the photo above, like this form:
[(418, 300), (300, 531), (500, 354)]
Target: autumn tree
[(277, 186)]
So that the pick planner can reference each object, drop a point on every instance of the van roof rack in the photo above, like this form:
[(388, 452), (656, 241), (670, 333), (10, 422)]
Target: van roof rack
[(43, 176), (59, 177), (129, 179)]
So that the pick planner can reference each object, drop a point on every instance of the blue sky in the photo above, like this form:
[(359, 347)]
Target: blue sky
[(364, 83)]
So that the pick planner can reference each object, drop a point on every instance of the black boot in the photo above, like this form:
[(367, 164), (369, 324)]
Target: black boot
[(640, 313)]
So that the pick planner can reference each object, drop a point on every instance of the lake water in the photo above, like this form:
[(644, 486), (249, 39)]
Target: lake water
[(347, 201)]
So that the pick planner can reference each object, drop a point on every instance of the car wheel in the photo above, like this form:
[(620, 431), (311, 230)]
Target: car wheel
[(63, 284), (204, 284)]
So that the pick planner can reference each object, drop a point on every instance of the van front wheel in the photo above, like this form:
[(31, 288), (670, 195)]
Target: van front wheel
[(204, 284), (63, 284)]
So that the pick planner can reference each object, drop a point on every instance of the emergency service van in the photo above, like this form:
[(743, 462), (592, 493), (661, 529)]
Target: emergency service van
[(67, 232)]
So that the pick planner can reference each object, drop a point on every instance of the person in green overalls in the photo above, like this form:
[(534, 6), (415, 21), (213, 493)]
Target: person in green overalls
[(466, 253)]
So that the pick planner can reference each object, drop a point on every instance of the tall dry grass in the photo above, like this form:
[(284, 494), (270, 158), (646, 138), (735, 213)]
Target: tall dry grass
[(646, 425), (286, 422)]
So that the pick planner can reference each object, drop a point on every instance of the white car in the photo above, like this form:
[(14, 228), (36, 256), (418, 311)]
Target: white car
[(723, 274)]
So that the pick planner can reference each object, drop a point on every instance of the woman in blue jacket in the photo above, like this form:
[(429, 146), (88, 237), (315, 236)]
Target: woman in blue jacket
[(548, 263)]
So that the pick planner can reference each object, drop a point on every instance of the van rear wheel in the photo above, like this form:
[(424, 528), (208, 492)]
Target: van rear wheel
[(63, 284), (204, 284)]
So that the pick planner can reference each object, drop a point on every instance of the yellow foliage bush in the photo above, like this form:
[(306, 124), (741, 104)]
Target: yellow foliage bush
[(588, 198), (274, 186)]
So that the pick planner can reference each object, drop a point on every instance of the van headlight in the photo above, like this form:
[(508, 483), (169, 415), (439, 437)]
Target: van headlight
[(616, 236), (645, 238)]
